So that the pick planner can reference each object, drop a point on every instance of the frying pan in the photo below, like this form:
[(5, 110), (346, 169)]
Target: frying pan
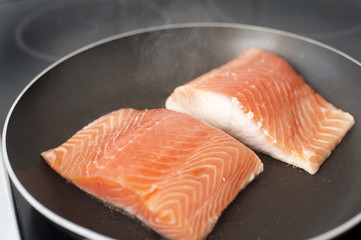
[(139, 70)]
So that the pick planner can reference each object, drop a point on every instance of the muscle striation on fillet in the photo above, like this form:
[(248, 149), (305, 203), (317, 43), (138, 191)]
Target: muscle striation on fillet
[(260, 99), (172, 171)]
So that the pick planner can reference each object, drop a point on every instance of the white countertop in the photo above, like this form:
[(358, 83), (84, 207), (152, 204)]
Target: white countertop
[(8, 224)]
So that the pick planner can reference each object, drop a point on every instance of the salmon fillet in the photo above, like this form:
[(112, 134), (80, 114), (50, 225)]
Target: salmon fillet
[(260, 99), (172, 171)]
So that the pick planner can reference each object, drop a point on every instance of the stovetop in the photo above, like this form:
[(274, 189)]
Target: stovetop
[(34, 34)]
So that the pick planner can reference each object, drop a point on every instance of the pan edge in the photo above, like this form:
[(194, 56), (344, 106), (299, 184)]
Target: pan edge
[(340, 229)]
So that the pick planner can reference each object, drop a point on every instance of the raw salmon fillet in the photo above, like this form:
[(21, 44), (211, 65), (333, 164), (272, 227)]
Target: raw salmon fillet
[(172, 171), (260, 99)]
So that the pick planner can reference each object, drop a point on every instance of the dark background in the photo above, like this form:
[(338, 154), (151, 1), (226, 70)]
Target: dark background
[(35, 33)]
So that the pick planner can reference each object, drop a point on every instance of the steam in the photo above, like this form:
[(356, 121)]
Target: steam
[(172, 57)]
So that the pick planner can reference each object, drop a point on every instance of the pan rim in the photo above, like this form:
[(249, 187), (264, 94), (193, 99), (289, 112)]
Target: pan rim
[(82, 231)]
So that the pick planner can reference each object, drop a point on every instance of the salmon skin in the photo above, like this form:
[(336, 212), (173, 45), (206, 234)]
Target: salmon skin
[(259, 99), (172, 171)]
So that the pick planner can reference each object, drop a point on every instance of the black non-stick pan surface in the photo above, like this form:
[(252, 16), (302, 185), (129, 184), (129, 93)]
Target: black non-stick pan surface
[(140, 70)]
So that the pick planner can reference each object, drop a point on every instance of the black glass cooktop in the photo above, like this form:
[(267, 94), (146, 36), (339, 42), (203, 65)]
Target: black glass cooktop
[(34, 34)]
